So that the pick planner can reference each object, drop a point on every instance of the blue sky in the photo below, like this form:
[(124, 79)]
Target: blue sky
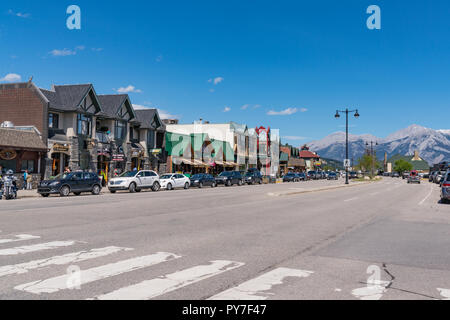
[(246, 61)]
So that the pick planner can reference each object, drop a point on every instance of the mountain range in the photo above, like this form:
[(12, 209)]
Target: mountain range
[(433, 145)]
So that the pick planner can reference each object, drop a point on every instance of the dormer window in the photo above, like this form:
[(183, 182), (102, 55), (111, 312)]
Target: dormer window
[(84, 124), (120, 130), (53, 120)]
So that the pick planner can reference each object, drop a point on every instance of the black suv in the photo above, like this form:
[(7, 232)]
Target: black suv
[(253, 177), (76, 182), (229, 178), (203, 179)]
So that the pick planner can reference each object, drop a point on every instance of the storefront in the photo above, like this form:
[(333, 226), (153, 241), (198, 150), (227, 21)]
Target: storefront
[(22, 150), (60, 157)]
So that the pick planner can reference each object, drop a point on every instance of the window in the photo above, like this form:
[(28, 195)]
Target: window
[(84, 124), (28, 165), (53, 120), (151, 139), (121, 130)]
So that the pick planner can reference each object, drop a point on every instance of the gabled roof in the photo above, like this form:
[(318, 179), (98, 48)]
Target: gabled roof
[(147, 116), (68, 97), (111, 104), (21, 139), (308, 154)]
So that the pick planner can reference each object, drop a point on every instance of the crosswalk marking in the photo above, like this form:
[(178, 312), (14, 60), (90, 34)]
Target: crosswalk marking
[(35, 247), (73, 257), (256, 289), (19, 237), (55, 284), (158, 286)]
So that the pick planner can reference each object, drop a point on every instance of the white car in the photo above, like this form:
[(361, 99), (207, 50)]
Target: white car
[(135, 181), (171, 181)]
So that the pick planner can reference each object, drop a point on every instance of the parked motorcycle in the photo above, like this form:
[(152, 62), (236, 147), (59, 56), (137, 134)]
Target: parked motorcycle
[(8, 187)]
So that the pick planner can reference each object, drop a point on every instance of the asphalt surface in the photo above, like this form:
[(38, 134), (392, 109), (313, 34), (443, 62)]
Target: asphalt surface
[(305, 240)]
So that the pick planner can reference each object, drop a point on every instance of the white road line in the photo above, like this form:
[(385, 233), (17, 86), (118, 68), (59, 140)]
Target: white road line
[(256, 289), (373, 291), (35, 247), (73, 257), (445, 293), (56, 284), (428, 195), (170, 282), (19, 237), (351, 199)]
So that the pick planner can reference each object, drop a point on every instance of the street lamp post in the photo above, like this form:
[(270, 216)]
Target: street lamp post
[(372, 155), (337, 115)]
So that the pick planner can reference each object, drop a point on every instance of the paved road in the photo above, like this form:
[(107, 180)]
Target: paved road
[(249, 242)]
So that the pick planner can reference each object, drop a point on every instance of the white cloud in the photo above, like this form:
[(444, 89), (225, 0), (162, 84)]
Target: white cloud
[(140, 107), (211, 90), (128, 89), (11, 77), (19, 14), (245, 107), (227, 109), (66, 52), (303, 110), (63, 53), (285, 112), (216, 80), (295, 138), (97, 49), (163, 114)]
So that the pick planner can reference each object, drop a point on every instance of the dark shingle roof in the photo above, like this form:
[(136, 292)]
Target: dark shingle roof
[(67, 97), (21, 139), (146, 116), (111, 103)]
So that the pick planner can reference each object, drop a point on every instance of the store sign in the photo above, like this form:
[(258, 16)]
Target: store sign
[(137, 153), (318, 164), (155, 151), (118, 157), (60, 148), (8, 154)]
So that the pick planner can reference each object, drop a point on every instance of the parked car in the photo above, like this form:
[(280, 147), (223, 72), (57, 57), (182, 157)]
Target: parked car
[(445, 188), (311, 175), (439, 176), (405, 175), (171, 181), (253, 177), (395, 175), (135, 181), (332, 176), (74, 182), (413, 177), (352, 175), (301, 176), (431, 176), (229, 178), (203, 179), (290, 177)]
